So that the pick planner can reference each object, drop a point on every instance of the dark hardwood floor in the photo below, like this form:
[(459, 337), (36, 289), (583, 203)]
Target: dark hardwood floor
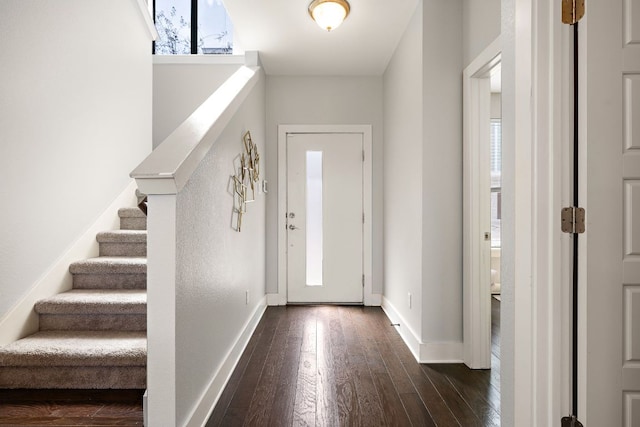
[(338, 366), (71, 407), (305, 366)]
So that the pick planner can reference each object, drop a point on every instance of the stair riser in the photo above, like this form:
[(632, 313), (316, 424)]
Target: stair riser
[(94, 322), (133, 223), (74, 377), (110, 281), (123, 249)]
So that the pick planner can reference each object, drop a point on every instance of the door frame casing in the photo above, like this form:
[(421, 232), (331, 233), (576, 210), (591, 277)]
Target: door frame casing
[(476, 206), (367, 192)]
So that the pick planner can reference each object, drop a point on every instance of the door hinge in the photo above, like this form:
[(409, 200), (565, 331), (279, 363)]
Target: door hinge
[(363, 155), (571, 421), (573, 220), (363, 280), (572, 11)]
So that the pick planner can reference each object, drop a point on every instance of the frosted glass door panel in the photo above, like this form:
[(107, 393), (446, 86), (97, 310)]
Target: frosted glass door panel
[(314, 218)]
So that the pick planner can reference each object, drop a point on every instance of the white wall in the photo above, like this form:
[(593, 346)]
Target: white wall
[(178, 89), (216, 265), (423, 182), (323, 100), (75, 119), (480, 26), (442, 172), (403, 148)]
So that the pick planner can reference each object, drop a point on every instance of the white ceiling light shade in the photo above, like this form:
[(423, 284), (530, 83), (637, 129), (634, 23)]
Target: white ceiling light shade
[(329, 14)]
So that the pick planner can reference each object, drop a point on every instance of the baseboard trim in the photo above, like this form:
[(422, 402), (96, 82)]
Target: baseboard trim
[(275, 300), (21, 320), (410, 338), (441, 352), (209, 398), (430, 352), (374, 300)]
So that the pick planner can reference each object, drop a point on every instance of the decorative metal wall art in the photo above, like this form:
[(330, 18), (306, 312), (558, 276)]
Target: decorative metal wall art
[(245, 181)]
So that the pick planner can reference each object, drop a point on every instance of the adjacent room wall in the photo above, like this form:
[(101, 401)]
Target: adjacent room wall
[(75, 119), (323, 100), (403, 152), (480, 26), (178, 89)]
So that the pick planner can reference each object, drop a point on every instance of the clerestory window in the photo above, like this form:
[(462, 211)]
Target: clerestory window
[(192, 27)]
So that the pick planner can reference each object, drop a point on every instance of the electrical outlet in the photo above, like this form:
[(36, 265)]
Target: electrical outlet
[(409, 300), (246, 298)]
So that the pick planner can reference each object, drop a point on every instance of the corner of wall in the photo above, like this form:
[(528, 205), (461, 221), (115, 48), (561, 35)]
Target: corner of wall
[(429, 352)]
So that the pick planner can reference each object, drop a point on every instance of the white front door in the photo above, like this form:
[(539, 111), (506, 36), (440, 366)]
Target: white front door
[(324, 218), (610, 249)]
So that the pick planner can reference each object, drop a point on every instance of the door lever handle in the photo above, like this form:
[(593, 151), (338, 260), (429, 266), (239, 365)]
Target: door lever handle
[(292, 227)]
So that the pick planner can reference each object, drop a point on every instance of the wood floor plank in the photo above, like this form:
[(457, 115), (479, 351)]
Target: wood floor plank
[(267, 323), (285, 395), (474, 386), (416, 410), (326, 413), (344, 381), (335, 366), (456, 403), (394, 412), (304, 410), (259, 411), (395, 368), (436, 405), (368, 340), (240, 402), (71, 407), (370, 405)]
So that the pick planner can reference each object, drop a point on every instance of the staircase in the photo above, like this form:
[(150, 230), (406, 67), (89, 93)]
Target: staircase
[(93, 336)]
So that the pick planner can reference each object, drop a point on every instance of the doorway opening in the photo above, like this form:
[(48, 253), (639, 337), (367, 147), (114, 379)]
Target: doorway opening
[(482, 194)]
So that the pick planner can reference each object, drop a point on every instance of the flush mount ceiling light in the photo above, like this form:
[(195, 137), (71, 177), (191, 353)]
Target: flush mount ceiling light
[(329, 14)]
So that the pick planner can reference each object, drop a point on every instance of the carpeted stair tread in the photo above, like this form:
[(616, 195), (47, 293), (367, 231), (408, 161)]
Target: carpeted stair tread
[(95, 301), (131, 213), (131, 243), (122, 236), (110, 265), (77, 348), (132, 219)]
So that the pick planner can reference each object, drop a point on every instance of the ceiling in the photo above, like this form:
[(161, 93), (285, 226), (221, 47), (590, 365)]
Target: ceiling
[(291, 43)]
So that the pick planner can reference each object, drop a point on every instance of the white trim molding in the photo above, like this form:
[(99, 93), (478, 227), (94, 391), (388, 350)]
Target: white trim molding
[(146, 13), (430, 352), (275, 300), (366, 131), (200, 59), (168, 168), (476, 207)]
